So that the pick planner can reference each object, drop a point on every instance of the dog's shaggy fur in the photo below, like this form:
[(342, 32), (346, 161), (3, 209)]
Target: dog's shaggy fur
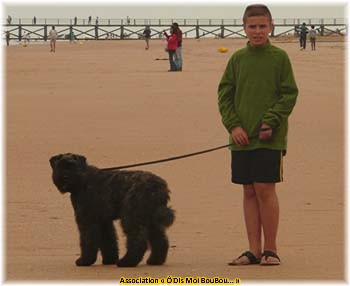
[(139, 199)]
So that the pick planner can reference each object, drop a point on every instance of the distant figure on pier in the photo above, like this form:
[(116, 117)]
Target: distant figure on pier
[(75, 20), (89, 20), (97, 20), (178, 54), (303, 30), (34, 20), (53, 37), (7, 38), (312, 34), (9, 19), (128, 20), (147, 35)]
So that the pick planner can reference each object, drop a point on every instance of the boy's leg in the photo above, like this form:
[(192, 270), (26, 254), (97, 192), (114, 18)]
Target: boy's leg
[(252, 219), (252, 223), (269, 214)]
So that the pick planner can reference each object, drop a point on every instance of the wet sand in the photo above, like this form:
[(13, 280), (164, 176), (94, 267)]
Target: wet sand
[(115, 103)]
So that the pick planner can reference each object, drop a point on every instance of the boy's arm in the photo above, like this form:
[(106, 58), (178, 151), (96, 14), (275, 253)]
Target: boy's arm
[(226, 93), (289, 92)]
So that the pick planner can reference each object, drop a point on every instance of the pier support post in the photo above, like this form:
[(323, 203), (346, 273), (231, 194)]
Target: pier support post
[(20, 33), (96, 32), (71, 33), (45, 33), (222, 32), (197, 32), (122, 32)]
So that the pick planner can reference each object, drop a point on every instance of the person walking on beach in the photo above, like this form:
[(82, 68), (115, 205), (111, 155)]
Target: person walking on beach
[(171, 48), (312, 35), (256, 95), (53, 37), (178, 53), (303, 30), (147, 36)]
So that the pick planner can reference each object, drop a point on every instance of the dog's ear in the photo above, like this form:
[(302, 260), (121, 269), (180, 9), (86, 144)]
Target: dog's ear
[(81, 159), (54, 159)]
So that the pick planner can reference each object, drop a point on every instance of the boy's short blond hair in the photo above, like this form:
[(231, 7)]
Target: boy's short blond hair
[(256, 10)]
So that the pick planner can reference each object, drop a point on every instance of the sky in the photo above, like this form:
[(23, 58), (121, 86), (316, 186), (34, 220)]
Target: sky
[(161, 9)]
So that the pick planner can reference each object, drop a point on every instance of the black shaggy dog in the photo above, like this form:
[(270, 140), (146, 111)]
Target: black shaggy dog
[(139, 199)]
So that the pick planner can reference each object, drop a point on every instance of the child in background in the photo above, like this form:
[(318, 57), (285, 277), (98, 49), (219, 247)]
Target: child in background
[(312, 34)]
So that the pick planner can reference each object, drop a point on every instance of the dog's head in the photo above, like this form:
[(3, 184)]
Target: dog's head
[(67, 170)]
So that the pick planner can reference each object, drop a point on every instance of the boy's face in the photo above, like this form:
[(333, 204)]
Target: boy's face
[(257, 29)]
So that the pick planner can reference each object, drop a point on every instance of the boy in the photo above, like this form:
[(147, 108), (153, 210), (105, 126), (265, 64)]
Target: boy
[(53, 37), (256, 94), (147, 35), (303, 30), (312, 34)]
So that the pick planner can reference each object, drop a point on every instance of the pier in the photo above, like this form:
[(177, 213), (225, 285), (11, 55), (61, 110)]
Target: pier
[(122, 29)]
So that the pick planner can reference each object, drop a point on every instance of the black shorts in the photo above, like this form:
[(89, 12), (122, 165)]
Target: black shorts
[(257, 166)]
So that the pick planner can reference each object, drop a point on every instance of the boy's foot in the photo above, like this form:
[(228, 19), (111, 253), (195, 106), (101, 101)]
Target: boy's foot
[(269, 258), (246, 258)]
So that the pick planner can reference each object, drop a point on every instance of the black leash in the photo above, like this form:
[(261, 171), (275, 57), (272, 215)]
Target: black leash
[(167, 159), (177, 157)]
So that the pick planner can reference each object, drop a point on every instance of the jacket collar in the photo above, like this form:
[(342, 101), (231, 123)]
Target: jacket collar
[(262, 48)]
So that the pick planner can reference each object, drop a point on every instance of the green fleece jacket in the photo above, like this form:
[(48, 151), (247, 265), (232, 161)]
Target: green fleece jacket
[(257, 87)]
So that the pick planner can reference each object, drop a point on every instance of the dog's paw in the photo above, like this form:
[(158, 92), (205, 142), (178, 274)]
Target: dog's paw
[(108, 261), (81, 262), (126, 263), (152, 261)]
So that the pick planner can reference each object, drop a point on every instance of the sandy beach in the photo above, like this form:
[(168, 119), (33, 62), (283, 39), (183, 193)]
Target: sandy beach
[(113, 102)]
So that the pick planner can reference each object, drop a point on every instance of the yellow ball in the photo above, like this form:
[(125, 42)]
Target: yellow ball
[(223, 50)]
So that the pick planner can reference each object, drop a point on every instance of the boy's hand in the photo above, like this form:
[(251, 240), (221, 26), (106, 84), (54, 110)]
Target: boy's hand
[(265, 132), (239, 136)]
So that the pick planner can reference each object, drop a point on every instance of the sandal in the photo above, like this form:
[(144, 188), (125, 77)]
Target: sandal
[(268, 253), (251, 257)]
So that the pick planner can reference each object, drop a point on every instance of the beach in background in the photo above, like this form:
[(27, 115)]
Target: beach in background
[(115, 103)]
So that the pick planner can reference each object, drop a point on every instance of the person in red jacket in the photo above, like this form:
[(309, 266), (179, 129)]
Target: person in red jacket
[(178, 54), (171, 48)]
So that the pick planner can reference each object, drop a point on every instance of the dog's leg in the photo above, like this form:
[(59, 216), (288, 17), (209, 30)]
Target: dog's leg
[(109, 243), (159, 246), (89, 242), (136, 243)]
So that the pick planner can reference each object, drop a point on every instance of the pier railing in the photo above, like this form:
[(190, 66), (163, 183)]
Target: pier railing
[(167, 22), (119, 29)]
